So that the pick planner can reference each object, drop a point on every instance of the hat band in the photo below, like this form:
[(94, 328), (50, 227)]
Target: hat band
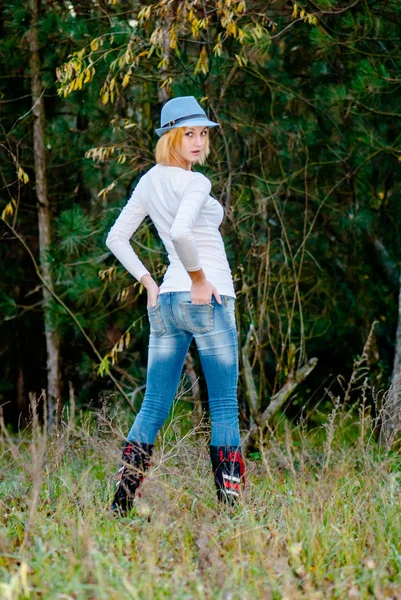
[(175, 121)]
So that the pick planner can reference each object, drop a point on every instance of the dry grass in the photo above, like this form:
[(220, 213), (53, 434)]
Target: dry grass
[(320, 518)]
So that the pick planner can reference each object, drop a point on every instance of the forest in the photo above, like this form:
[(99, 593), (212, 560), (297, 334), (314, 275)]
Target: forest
[(306, 163)]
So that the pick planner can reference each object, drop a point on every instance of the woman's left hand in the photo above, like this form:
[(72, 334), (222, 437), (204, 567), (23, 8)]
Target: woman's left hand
[(152, 288)]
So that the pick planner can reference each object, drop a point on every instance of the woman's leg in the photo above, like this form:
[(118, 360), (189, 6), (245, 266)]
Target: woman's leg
[(168, 346), (218, 350)]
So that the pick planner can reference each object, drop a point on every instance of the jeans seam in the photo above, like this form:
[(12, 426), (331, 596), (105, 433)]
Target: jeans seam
[(227, 318), (170, 309)]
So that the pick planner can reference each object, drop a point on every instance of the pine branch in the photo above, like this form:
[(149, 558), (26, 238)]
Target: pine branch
[(67, 309)]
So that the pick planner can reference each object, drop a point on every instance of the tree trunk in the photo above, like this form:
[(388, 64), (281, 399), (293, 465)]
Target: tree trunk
[(44, 218), (391, 421), (279, 399), (250, 387)]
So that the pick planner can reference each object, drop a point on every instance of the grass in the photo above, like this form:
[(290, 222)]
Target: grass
[(320, 518)]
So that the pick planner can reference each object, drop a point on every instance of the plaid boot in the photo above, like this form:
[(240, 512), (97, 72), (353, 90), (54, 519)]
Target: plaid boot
[(229, 472), (130, 474)]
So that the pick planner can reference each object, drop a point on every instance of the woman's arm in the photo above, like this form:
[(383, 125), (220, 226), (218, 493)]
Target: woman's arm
[(194, 196), (118, 239)]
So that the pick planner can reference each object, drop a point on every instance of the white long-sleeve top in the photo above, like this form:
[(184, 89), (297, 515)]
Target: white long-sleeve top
[(187, 219)]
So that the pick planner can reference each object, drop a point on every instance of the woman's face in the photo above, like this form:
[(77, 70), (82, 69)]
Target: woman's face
[(193, 142)]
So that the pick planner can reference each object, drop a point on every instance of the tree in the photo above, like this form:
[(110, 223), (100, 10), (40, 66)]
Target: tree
[(44, 221), (305, 163)]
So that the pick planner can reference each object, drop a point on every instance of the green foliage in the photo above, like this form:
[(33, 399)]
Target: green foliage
[(73, 229), (306, 163), (8, 307)]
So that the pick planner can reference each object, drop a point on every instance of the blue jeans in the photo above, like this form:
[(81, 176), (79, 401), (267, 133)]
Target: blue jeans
[(174, 321)]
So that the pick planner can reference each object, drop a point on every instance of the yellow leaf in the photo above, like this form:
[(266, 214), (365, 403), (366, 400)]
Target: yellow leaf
[(163, 63), (94, 45), (108, 274), (295, 11), (79, 82), (9, 209), (194, 29), (105, 97), (232, 28), (258, 31), (103, 368), (123, 295), (126, 79), (202, 64), (144, 13), (22, 176), (241, 35), (217, 50), (167, 82)]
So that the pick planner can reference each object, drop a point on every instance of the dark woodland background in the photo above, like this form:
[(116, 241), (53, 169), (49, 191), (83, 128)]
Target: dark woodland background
[(306, 163)]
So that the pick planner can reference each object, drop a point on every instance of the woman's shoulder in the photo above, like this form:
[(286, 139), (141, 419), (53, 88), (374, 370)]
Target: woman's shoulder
[(199, 181), (175, 171), (195, 179), (182, 178)]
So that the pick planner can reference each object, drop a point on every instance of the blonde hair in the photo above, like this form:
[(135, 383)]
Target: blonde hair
[(166, 148)]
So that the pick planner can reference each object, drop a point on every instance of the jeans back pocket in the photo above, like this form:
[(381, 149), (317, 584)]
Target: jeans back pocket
[(157, 326), (198, 318)]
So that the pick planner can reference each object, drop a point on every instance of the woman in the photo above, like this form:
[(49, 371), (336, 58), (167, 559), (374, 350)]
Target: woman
[(195, 300)]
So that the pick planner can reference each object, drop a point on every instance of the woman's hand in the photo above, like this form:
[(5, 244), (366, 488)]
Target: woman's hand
[(201, 293), (202, 290), (152, 288)]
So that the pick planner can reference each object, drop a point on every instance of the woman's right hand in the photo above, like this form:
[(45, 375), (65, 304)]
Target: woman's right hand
[(202, 292), (152, 289)]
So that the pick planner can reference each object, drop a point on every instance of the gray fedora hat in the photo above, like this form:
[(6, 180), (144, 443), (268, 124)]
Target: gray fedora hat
[(180, 112)]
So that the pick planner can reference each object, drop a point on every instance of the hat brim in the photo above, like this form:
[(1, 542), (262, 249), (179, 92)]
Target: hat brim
[(195, 122)]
